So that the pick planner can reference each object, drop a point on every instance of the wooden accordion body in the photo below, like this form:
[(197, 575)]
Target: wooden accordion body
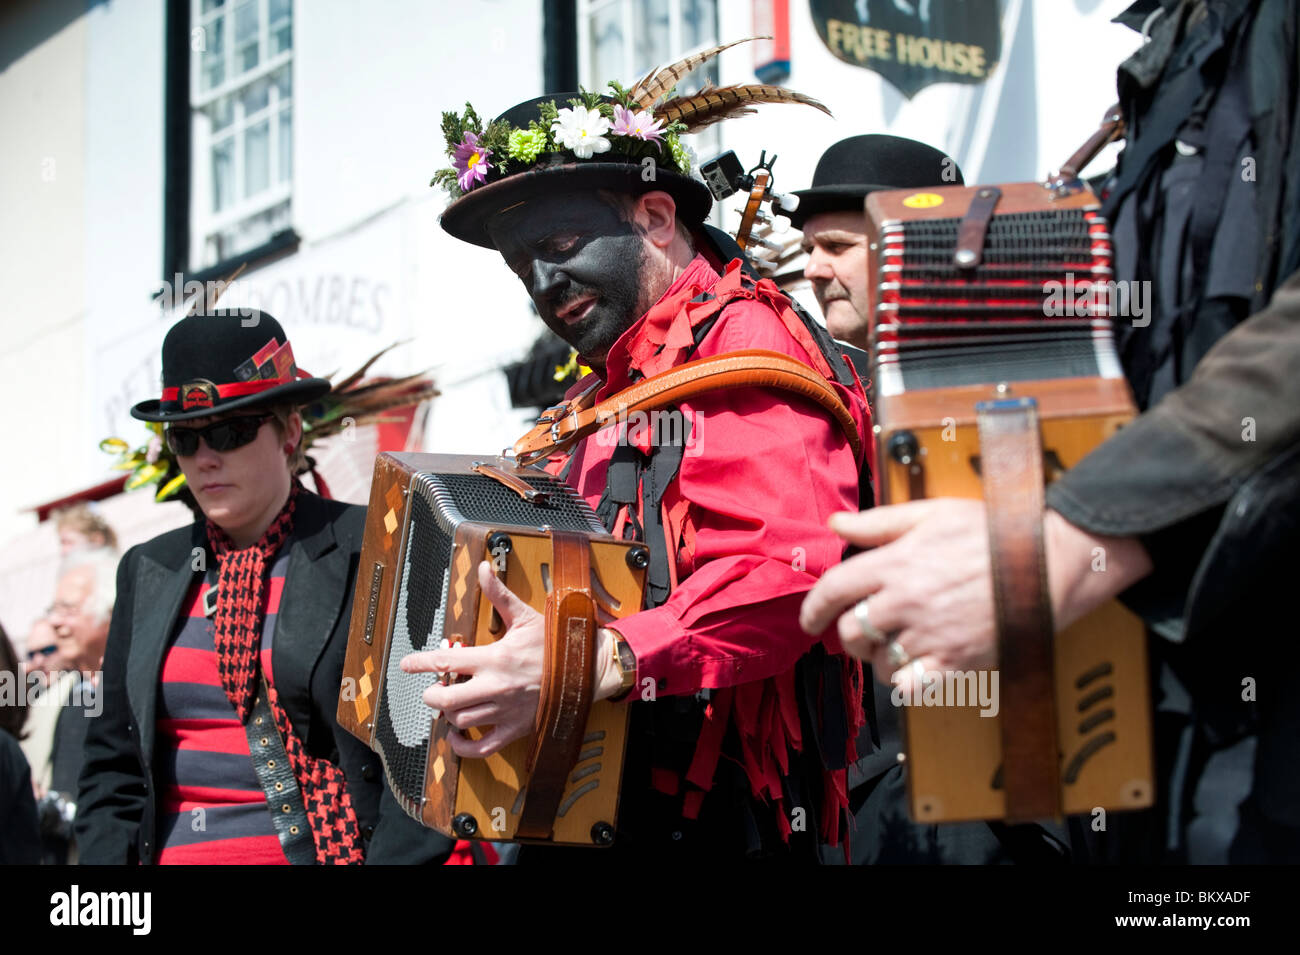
[(432, 519), (952, 344)]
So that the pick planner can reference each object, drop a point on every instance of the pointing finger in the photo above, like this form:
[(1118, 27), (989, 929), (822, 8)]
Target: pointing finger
[(458, 660)]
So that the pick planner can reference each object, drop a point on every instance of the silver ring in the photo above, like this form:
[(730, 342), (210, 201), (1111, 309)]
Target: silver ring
[(873, 633), (897, 655)]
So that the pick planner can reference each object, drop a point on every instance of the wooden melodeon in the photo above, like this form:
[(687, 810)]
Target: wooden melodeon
[(995, 370), (432, 519)]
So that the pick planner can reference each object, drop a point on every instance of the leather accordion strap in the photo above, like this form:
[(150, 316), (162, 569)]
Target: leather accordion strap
[(567, 683), (565, 424), (974, 226), (1012, 469), (512, 481), (275, 775), (1112, 127)]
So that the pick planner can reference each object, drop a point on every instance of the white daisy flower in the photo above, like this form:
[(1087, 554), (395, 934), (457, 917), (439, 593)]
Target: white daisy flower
[(581, 130)]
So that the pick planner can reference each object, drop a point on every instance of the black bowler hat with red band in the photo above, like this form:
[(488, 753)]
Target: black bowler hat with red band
[(227, 360)]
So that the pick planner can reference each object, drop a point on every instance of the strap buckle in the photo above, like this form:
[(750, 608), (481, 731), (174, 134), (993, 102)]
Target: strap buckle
[(210, 600), (555, 424)]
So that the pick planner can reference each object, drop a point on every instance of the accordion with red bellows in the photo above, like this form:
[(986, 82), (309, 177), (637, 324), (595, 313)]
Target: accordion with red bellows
[(995, 369)]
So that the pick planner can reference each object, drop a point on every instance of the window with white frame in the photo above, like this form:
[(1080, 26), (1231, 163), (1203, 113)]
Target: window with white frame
[(241, 95), (622, 39)]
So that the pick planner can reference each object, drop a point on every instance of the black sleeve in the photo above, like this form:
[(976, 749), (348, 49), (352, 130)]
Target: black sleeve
[(20, 839), (112, 794), (1168, 477), (1186, 456)]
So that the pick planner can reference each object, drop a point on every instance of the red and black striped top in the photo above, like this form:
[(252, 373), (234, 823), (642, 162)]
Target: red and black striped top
[(212, 812)]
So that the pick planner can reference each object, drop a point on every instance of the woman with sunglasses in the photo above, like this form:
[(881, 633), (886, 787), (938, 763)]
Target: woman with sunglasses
[(218, 741)]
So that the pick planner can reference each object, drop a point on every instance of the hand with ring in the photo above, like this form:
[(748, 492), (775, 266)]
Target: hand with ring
[(920, 595), (922, 591)]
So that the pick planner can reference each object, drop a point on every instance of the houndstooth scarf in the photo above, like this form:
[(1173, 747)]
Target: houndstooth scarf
[(241, 590)]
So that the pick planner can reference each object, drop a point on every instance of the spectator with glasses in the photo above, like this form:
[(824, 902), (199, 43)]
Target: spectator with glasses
[(218, 741), (48, 684)]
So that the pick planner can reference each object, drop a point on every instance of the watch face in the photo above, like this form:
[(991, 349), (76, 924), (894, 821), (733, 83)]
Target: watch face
[(626, 660)]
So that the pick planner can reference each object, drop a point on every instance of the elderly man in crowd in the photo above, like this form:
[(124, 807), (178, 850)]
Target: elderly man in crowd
[(79, 616)]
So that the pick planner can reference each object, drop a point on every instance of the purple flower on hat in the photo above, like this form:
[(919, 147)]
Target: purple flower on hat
[(637, 125), (471, 162)]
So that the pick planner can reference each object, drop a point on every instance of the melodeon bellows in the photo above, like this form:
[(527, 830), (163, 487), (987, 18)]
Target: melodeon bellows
[(432, 519), (995, 370)]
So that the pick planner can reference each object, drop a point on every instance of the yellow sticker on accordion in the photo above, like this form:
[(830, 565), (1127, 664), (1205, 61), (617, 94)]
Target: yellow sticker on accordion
[(923, 200)]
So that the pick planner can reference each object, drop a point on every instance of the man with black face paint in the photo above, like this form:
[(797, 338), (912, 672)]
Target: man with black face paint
[(741, 729), (583, 263)]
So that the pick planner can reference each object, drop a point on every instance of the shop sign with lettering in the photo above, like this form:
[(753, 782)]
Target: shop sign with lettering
[(913, 43)]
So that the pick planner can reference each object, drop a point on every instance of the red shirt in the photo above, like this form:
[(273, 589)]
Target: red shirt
[(760, 476)]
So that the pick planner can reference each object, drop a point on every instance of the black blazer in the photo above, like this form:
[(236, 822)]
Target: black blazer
[(116, 807)]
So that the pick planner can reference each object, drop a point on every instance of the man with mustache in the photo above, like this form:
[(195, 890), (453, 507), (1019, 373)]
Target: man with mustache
[(830, 215), (740, 729)]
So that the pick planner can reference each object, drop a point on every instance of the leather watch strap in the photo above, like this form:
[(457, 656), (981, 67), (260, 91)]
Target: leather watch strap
[(624, 661), (567, 684), (1012, 471), (275, 775), (565, 424)]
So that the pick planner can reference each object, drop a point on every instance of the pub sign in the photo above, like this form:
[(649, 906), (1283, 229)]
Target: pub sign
[(913, 43)]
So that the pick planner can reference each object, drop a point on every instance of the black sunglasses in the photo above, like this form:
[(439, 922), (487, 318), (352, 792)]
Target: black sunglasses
[(224, 435)]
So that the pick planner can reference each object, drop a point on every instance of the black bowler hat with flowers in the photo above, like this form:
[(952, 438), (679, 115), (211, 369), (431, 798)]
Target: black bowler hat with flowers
[(226, 360), (626, 140)]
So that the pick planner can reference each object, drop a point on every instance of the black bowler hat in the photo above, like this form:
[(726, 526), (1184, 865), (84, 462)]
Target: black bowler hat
[(467, 217), (226, 360), (858, 165)]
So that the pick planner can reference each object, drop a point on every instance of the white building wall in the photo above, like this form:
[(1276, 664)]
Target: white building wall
[(370, 92), (372, 267), (42, 252), (125, 72)]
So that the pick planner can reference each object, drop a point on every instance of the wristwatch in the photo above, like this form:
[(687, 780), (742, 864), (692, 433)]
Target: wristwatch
[(624, 665)]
